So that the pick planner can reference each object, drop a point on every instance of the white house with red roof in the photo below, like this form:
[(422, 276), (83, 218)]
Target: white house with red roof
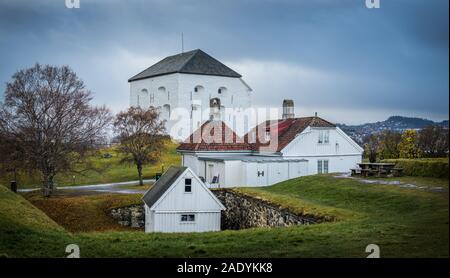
[(271, 152)]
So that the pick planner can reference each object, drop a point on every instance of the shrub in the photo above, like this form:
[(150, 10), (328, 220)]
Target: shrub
[(424, 167)]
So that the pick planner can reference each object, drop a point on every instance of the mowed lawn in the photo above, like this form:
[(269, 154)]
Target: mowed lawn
[(403, 222), (106, 170)]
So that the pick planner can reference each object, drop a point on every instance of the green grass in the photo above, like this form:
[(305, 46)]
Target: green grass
[(83, 213), (111, 170), (403, 222)]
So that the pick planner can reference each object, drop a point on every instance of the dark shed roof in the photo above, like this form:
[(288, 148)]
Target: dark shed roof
[(194, 62), (161, 186)]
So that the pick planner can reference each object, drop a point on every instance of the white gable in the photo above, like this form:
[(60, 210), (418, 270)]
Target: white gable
[(306, 144), (200, 199)]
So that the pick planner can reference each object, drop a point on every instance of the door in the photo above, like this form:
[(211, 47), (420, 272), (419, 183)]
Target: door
[(210, 173)]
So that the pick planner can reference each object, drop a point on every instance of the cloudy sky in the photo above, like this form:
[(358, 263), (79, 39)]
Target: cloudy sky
[(349, 63)]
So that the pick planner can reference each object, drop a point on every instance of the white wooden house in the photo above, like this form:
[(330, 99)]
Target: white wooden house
[(271, 152), (180, 202)]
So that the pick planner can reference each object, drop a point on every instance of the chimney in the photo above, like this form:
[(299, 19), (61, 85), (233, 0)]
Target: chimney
[(288, 109)]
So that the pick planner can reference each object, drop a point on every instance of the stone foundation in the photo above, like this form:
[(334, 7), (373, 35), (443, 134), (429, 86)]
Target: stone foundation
[(242, 212), (132, 216), (245, 212)]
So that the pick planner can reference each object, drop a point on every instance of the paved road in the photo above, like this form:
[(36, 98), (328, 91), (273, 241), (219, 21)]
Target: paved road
[(114, 187)]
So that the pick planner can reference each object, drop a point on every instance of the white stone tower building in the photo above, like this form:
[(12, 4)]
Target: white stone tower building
[(190, 88)]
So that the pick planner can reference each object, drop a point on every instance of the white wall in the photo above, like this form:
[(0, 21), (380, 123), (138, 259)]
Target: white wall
[(165, 214), (341, 152), (274, 172), (233, 175), (176, 199), (305, 144), (181, 87), (169, 222)]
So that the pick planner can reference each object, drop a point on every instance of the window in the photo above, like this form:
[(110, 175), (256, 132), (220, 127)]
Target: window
[(199, 89), (324, 137), (322, 166), (152, 97), (187, 185), (222, 90), (187, 217), (267, 138)]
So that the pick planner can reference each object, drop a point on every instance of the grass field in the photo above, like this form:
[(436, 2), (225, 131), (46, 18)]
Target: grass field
[(111, 170), (403, 222)]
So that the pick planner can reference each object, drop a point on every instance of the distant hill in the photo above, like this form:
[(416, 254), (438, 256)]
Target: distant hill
[(396, 123)]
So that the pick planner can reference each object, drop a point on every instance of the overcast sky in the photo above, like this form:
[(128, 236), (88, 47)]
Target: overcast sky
[(349, 63)]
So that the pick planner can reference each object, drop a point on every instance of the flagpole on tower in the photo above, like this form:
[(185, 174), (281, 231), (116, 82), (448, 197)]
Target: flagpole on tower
[(182, 43)]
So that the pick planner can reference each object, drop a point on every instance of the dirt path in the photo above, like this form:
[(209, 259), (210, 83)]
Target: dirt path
[(390, 182), (115, 187)]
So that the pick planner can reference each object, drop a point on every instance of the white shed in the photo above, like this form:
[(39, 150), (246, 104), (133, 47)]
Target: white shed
[(180, 202)]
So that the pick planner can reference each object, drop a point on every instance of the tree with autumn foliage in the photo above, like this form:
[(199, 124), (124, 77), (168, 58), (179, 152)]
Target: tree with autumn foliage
[(141, 136), (408, 146)]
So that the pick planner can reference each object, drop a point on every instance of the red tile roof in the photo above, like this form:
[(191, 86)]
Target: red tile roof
[(282, 132), (217, 136), (214, 136)]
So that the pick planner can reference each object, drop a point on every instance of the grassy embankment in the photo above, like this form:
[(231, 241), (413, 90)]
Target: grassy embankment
[(403, 222), (111, 170)]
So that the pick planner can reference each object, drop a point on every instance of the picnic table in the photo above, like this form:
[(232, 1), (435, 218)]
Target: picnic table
[(376, 169)]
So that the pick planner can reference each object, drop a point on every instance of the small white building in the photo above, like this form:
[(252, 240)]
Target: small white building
[(186, 87), (180, 202), (271, 152)]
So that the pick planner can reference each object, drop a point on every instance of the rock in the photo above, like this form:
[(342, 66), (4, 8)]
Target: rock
[(131, 216)]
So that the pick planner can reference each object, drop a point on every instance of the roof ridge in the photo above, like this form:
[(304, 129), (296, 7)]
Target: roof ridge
[(195, 52)]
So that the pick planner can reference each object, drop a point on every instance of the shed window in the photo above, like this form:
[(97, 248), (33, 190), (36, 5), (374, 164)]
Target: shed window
[(188, 185), (187, 217)]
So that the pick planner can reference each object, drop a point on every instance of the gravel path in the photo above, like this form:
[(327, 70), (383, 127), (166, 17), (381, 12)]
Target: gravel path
[(114, 187), (386, 182)]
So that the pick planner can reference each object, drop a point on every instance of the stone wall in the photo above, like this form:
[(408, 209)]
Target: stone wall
[(244, 212), (132, 216)]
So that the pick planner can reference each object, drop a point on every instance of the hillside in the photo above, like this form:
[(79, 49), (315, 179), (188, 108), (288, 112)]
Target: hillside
[(395, 123), (403, 222), (108, 169)]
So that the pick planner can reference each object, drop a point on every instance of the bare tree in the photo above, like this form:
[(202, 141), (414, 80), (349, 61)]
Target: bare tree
[(48, 113), (371, 147), (140, 132), (433, 141)]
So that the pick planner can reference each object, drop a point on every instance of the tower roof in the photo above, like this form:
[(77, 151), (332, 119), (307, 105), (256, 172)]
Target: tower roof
[(193, 62)]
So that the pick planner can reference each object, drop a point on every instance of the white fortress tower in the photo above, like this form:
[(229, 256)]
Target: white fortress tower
[(190, 88)]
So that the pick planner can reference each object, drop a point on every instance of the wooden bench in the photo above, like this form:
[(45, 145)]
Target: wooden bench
[(368, 172), (356, 171), (397, 172)]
